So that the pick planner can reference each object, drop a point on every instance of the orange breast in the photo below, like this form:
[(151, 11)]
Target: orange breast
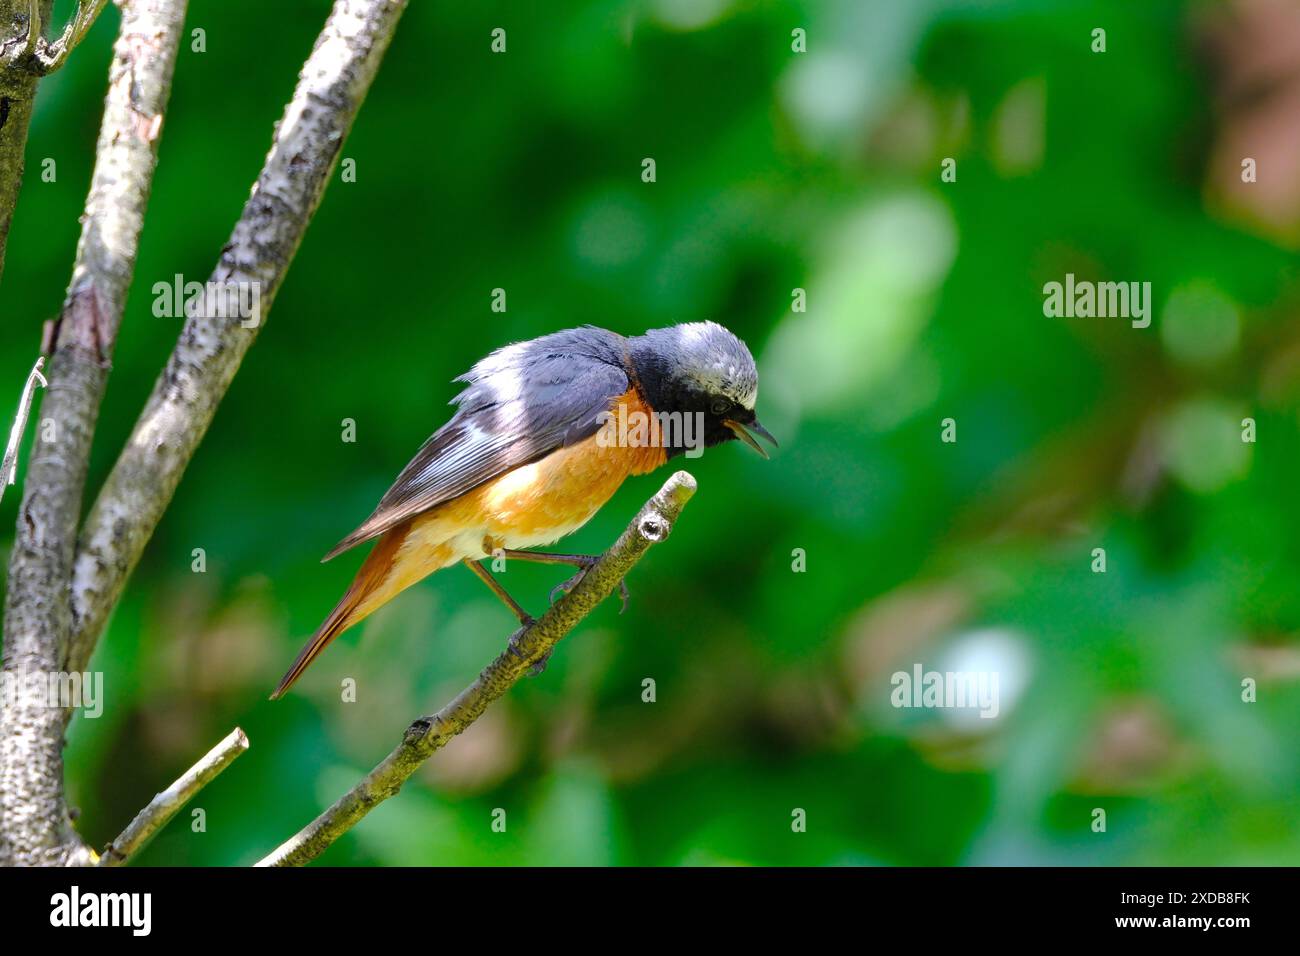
[(528, 506), (540, 502)]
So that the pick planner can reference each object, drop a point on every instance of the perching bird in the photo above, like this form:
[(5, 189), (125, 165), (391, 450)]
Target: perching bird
[(545, 432)]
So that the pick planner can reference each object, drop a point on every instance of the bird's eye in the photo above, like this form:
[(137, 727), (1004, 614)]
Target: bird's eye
[(720, 406)]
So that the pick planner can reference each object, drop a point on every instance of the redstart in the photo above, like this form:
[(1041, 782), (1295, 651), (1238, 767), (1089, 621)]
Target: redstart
[(544, 433)]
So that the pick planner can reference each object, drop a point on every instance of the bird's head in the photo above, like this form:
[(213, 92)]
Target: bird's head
[(699, 369)]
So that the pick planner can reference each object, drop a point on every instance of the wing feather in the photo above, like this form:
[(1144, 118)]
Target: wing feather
[(520, 403)]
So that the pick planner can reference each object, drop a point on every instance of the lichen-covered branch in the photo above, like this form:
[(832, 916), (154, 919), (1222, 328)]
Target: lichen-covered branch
[(532, 643), (165, 805), (331, 86), (25, 56), (20, 32), (49, 56), (34, 826)]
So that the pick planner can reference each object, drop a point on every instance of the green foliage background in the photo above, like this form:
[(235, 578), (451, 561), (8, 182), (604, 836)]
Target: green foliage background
[(775, 170)]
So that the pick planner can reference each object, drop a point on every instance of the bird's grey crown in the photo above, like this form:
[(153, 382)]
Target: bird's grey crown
[(716, 360)]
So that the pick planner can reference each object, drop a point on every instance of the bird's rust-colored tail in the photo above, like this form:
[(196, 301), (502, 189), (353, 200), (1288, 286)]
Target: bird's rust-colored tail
[(353, 606)]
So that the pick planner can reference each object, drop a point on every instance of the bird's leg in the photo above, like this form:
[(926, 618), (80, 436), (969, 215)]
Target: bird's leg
[(581, 561), (526, 620), (486, 577)]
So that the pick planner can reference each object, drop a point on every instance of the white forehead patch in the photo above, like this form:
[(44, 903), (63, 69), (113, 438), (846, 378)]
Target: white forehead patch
[(724, 366), (729, 381)]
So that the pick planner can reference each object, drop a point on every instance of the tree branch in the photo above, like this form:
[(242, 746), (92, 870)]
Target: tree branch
[(165, 805), (331, 86), (530, 645), (20, 32), (9, 465), (50, 56), (26, 56), (34, 825)]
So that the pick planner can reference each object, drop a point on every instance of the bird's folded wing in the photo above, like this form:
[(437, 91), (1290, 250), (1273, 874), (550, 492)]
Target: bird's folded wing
[(522, 402)]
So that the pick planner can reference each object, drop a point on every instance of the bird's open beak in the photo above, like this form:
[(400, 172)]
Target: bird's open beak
[(743, 433)]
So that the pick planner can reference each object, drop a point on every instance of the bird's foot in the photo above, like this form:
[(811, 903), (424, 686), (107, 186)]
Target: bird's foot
[(513, 647), (586, 565)]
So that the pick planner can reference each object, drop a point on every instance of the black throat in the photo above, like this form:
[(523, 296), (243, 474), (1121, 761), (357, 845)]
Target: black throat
[(650, 369)]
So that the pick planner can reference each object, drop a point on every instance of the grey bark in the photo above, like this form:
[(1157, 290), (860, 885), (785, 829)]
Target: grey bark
[(61, 587), (34, 822), (330, 90)]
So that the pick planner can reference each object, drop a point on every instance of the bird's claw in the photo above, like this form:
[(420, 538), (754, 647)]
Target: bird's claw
[(565, 586), (569, 584), (513, 647)]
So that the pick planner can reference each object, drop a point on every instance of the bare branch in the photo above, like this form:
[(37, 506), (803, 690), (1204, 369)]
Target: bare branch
[(9, 466), (331, 86), (33, 818), (165, 805), (530, 645)]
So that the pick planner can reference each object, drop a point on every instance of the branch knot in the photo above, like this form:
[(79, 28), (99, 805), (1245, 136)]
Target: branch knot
[(653, 527)]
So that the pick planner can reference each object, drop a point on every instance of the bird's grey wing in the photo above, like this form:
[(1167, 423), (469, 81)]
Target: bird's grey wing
[(519, 406)]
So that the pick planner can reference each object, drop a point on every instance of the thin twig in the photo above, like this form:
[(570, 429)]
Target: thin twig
[(529, 645), (9, 466), (165, 805)]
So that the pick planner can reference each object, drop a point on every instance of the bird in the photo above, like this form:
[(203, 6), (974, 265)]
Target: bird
[(544, 432)]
